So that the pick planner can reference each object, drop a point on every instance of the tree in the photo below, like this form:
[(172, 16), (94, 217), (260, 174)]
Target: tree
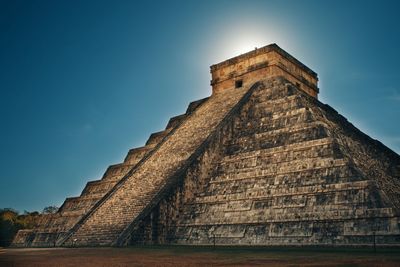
[(50, 210), (8, 226), (11, 221)]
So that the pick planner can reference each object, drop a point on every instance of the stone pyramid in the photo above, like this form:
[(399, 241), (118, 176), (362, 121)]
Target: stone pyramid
[(259, 162)]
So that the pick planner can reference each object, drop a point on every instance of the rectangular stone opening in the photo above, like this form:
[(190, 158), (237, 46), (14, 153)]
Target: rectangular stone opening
[(238, 83)]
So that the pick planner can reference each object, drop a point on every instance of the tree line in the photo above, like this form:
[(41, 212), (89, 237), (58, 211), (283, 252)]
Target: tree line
[(11, 221)]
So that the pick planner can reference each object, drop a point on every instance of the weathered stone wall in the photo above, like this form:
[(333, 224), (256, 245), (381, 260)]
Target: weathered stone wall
[(266, 62), (281, 173), (372, 158)]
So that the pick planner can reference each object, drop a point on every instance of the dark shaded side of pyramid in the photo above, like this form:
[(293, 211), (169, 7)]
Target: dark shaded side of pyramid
[(285, 170)]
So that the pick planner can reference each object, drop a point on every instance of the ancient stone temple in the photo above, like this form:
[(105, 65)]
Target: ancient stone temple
[(259, 162)]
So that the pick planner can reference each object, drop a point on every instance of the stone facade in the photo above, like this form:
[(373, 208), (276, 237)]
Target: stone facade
[(263, 63), (260, 162), (281, 173)]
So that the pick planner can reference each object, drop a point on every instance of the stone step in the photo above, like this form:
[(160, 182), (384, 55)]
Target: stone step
[(136, 154), (263, 161), (267, 124), (311, 144), (117, 170), (282, 190), (252, 185), (275, 92), (281, 169), (78, 203), (287, 215), (155, 138), (264, 108), (276, 138), (175, 121), (99, 187)]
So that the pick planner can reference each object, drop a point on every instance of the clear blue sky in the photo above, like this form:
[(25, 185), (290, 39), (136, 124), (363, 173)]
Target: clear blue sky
[(83, 81)]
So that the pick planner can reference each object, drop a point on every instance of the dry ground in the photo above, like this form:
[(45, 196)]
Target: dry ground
[(198, 256)]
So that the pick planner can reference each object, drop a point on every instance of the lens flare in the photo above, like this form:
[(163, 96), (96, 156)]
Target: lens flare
[(234, 38)]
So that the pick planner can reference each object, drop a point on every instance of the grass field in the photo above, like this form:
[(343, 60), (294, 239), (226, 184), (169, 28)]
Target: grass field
[(199, 256)]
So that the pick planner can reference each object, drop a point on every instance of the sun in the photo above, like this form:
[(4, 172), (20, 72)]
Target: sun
[(242, 41), (239, 38)]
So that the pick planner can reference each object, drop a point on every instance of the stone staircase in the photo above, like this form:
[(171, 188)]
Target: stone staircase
[(108, 223), (55, 226)]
